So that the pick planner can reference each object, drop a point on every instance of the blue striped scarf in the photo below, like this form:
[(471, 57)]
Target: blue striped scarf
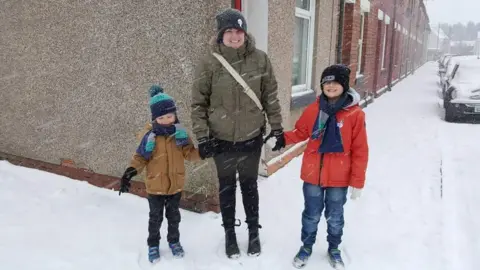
[(147, 145), (326, 124)]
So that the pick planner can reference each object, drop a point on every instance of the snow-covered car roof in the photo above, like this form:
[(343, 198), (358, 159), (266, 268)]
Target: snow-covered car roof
[(467, 76)]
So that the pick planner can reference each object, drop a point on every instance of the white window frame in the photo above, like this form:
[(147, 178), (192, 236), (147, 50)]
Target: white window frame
[(256, 14), (360, 43), (309, 15), (384, 51)]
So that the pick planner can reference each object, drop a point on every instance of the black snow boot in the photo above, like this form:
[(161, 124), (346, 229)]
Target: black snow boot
[(254, 247), (227, 206), (250, 198), (231, 245)]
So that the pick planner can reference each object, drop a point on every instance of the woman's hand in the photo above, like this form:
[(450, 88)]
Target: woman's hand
[(276, 138), (207, 147)]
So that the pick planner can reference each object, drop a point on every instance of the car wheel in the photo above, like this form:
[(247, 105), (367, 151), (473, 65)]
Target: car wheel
[(450, 115)]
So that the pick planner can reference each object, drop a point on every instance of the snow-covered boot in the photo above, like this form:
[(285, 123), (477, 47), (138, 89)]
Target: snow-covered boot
[(153, 254), (254, 247), (231, 246), (335, 259), (177, 250), (302, 257)]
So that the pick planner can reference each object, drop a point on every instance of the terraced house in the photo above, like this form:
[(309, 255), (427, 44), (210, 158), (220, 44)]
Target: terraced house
[(74, 75), (383, 41)]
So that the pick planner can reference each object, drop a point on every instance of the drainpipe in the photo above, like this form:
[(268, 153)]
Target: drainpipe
[(409, 55), (340, 31), (416, 38), (392, 47)]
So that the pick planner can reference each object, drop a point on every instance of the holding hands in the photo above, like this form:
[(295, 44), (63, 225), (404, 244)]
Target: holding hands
[(275, 140)]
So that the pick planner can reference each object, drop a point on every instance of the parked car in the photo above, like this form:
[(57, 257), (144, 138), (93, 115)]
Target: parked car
[(442, 60), (442, 66), (462, 91), (451, 68)]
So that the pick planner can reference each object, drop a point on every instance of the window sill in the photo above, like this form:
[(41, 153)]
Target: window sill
[(359, 80), (302, 99)]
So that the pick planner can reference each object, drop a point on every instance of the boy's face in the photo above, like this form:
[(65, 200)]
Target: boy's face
[(332, 89), (234, 38), (166, 120)]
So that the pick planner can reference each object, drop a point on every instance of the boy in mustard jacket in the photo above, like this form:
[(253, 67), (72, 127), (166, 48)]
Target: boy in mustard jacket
[(164, 147)]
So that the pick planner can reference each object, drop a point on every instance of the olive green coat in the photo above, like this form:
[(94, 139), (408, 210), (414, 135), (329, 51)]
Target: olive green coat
[(219, 106)]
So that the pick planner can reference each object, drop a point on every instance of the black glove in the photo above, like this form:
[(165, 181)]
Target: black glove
[(207, 147), (130, 172), (280, 139)]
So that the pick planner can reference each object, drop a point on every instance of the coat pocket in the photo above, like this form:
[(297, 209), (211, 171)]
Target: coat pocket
[(220, 123), (179, 181), (340, 169), (155, 183)]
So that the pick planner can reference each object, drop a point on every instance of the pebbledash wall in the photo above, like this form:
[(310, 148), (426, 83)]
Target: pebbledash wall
[(383, 41), (74, 77)]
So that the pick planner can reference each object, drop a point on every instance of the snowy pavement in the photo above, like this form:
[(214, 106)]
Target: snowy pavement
[(419, 209)]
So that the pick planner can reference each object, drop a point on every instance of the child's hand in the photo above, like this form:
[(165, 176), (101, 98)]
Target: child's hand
[(125, 181), (356, 193)]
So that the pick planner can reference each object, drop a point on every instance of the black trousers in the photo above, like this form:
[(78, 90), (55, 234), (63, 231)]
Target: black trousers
[(157, 203), (246, 163)]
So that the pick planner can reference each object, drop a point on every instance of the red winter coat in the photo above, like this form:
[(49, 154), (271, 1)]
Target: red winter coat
[(333, 169)]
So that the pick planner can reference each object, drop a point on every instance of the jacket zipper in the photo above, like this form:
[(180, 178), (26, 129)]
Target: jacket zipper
[(237, 109), (320, 172)]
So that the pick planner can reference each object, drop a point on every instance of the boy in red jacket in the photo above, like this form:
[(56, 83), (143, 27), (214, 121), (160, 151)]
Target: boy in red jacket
[(335, 158)]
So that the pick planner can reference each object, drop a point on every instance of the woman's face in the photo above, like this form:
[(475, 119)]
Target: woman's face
[(233, 38)]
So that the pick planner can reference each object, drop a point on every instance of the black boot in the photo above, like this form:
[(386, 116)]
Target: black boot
[(231, 246), (254, 247), (250, 202), (227, 206)]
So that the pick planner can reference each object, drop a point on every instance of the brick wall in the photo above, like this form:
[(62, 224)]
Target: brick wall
[(404, 48), (191, 201), (351, 34)]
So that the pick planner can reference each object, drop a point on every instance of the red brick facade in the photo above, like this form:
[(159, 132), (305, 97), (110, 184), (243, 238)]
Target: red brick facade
[(406, 29)]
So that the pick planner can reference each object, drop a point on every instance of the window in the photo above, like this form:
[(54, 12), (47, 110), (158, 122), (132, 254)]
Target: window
[(384, 51), (360, 45), (303, 46)]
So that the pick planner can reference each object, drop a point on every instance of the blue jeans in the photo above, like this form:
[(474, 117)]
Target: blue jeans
[(317, 198)]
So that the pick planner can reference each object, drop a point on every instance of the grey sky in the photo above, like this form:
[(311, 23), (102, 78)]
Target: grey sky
[(453, 11)]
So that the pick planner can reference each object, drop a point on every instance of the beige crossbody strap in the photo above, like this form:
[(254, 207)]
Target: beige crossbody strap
[(246, 89)]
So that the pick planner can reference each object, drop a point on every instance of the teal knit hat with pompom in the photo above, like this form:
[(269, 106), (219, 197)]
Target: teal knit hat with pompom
[(160, 103)]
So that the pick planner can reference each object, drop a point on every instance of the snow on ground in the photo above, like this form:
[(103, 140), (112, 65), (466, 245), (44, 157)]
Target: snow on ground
[(419, 209)]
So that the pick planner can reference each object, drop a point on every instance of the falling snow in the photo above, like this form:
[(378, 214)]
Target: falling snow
[(419, 209)]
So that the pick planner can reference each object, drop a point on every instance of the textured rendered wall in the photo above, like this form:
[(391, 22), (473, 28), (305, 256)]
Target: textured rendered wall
[(74, 76), (281, 24), (326, 32)]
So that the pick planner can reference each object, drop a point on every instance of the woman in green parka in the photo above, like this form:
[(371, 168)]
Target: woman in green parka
[(229, 124)]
